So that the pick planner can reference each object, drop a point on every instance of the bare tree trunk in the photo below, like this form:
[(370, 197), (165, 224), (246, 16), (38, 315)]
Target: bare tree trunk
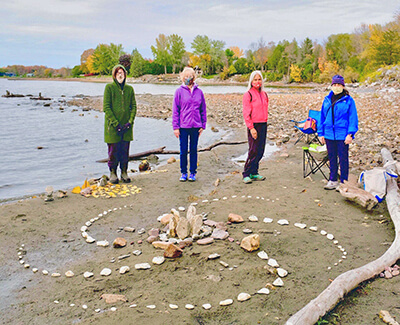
[(349, 280)]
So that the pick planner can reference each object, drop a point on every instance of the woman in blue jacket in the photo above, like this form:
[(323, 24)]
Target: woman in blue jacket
[(337, 127)]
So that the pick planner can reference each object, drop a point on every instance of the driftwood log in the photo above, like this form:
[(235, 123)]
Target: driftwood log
[(349, 280), (8, 95), (355, 194), (162, 151)]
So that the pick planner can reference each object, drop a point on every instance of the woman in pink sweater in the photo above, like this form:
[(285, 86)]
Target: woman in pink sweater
[(255, 113)]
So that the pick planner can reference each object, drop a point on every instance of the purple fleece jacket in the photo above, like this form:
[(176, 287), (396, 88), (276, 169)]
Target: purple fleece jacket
[(189, 108)]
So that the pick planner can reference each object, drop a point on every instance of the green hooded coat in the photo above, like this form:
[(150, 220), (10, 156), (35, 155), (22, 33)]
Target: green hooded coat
[(119, 106)]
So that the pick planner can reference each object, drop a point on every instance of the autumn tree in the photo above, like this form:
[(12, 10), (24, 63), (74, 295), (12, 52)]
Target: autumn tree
[(84, 57), (238, 52), (340, 48), (211, 53), (260, 52), (125, 61), (161, 51)]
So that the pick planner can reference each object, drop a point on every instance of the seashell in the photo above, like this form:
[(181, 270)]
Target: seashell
[(278, 282), (243, 296), (272, 262), (283, 222), (263, 255), (105, 272), (226, 302)]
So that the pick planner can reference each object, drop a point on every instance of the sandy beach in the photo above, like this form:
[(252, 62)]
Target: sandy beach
[(51, 236)]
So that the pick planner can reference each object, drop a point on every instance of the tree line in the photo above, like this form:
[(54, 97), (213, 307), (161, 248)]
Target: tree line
[(354, 55)]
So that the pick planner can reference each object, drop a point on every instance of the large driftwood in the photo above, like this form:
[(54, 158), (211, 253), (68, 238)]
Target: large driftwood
[(162, 151), (355, 194), (349, 280)]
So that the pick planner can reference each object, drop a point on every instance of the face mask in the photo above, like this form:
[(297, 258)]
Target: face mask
[(337, 89), (120, 78), (188, 81), (256, 84)]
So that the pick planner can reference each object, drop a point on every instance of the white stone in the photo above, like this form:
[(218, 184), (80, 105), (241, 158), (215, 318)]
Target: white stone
[(278, 282), (213, 256), (83, 228), (247, 231), (335, 242), (124, 269), (105, 272), (224, 264), (263, 291), (56, 302), (137, 252), (103, 243), (163, 237), (26, 265), (92, 220), (300, 225), (243, 296), (314, 228), (344, 257), (84, 306), (323, 232), (100, 215), (172, 306), (342, 249), (85, 234), (34, 270), (90, 240), (282, 272), (133, 306), (87, 274), (69, 274), (158, 260), (330, 236), (283, 222), (88, 223), (142, 266), (72, 305), (189, 306), (45, 272), (263, 255), (344, 253), (21, 262), (181, 209), (204, 201), (151, 306), (55, 275), (226, 302), (113, 308), (272, 262), (97, 310), (253, 218), (206, 306)]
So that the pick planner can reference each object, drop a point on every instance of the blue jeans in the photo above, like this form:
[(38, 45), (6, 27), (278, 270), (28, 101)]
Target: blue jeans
[(338, 149), (185, 135)]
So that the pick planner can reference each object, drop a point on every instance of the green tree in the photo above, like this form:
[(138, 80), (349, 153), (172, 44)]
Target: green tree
[(176, 50), (211, 53), (161, 51), (242, 66), (137, 64), (76, 71), (105, 57), (340, 48), (230, 56)]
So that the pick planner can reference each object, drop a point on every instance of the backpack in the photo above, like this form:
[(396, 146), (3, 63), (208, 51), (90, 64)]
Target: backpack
[(310, 124)]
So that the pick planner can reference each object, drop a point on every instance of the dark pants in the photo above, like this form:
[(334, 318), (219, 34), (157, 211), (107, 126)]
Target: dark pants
[(185, 135), (256, 149), (118, 153), (338, 149)]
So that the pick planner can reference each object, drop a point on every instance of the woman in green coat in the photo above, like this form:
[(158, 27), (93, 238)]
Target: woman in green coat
[(119, 106)]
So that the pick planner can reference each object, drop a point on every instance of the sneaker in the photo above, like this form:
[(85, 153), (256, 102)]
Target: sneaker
[(192, 177), (331, 185), (183, 178), (257, 177), (247, 180)]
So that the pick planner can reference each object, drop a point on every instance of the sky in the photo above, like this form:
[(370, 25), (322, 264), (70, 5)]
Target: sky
[(54, 33)]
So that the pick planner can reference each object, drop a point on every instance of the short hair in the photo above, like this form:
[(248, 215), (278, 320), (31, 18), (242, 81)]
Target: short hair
[(253, 74), (187, 70), (116, 71)]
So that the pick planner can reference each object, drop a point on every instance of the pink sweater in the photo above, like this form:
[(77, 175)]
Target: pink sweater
[(256, 110)]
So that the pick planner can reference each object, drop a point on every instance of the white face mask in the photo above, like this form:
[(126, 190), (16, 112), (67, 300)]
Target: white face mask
[(337, 89)]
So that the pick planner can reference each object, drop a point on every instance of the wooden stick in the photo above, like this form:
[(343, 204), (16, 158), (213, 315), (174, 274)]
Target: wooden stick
[(358, 195), (349, 280)]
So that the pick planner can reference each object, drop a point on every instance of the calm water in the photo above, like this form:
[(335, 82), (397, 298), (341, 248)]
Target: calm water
[(71, 143)]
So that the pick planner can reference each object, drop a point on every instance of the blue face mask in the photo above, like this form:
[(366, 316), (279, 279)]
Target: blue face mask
[(188, 81)]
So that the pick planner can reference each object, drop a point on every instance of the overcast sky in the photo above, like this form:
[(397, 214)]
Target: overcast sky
[(56, 32)]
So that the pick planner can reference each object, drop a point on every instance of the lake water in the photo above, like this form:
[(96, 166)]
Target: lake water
[(71, 142)]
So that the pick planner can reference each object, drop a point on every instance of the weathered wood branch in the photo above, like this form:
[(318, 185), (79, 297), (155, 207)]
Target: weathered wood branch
[(355, 194), (349, 280), (162, 151)]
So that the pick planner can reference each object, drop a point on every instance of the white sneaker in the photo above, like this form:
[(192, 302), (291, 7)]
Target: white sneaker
[(331, 185)]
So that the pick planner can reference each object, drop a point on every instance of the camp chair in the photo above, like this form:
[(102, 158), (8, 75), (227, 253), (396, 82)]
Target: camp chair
[(314, 158), (311, 134)]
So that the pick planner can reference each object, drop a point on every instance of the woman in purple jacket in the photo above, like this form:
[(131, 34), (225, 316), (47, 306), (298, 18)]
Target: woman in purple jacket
[(189, 119)]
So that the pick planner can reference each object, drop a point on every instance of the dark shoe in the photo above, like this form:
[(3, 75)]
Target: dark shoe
[(113, 176), (124, 176)]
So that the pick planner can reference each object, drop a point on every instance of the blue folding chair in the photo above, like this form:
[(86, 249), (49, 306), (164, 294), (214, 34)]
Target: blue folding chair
[(311, 134)]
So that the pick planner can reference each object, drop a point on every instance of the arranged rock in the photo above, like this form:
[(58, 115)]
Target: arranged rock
[(45, 272), (247, 231), (154, 232), (85, 234), (268, 220), (87, 275), (90, 240), (69, 274), (235, 218), (165, 219), (250, 243), (173, 223), (263, 255), (300, 225), (191, 212), (206, 306), (112, 298), (105, 272), (129, 229), (103, 243), (278, 282), (282, 272), (210, 223), (224, 264), (226, 302), (142, 266), (323, 232), (35, 270), (137, 252), (55, 275), (253, 218), (124, 269), (195, 224), (84, 228), (263, 291), (141, 231), (173, 251), (122, 257), (183, 228), (158, 260), (119, 242), (243, 296), (283, 222), (272, 262), (219, 234), (221, 225), (151, 306), (189, 306), (161, 244), (314, 228), (151, 239), (330, 236), (213, 256), (172, 306), (205, 241)]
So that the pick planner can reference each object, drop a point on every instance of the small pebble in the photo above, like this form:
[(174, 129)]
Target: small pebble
[(84, 306), (113, 309), (323, 232), (72, 305), (243, 296), (105, 272), (263, 291), (283, 222), (45, 272), (133, 306), (263, 255), (206, 306), (300, 225), (330, 236), (34, 270), (213, 256), (272, 262), (87, 275), (268, 220), (189, 306), (253, 218), (278, 282), (226, 302), (247, 231), (151, 306), (55, 275), (56, 302), (97, 310), (172, 306), (137, 252), (313, 228)]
